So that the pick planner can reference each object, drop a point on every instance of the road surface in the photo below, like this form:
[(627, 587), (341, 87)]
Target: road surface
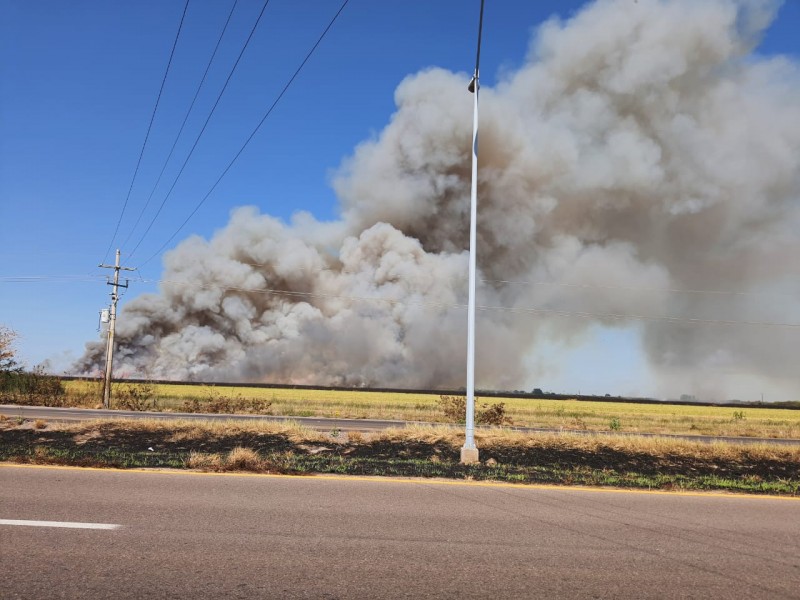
[(183, 535), (323, 424)]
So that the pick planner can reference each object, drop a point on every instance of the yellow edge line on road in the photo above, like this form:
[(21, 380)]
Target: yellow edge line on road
[(419, 481)]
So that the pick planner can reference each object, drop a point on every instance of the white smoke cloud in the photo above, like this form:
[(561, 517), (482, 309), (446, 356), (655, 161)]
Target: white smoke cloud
[(642, 148)]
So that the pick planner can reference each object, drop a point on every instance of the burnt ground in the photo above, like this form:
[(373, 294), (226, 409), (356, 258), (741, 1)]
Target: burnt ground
[(125, 446)]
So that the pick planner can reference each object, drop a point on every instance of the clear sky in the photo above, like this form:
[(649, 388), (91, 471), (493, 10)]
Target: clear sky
[(79, 81)]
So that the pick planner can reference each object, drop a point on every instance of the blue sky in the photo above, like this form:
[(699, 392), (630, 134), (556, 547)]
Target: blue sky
[(79, 81)]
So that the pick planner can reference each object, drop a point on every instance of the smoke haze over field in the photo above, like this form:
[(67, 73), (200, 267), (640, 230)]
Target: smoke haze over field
[(643, 148)]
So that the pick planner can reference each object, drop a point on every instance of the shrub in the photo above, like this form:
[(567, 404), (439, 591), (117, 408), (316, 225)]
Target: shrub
[(455, 410), (192, 405), (32, 388), (453, 407), (225, 404), (137, 396)]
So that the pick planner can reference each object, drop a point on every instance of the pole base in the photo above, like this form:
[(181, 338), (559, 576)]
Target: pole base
[(469, 456)]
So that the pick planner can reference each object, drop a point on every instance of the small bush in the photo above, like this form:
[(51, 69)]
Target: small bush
[(138, 396), (39, 424), (192, 405), (225, 404), (455, 410), (453, 407), (31, 388), (494, 414)]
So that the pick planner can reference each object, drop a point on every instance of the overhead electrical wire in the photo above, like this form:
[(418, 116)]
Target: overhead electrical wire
[(183, 124), (251, 136), (202, 130), (50, 278), (147, 135)]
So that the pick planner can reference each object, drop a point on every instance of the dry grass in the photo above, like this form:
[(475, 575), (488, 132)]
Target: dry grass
[(39, 424), (658, 447), (556, 414), (243, 459), (184, 431), (187, 430), (429, 451), (205, 461), (355, 437)]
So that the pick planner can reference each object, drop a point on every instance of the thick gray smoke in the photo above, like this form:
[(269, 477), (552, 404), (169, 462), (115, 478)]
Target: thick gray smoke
[(642, 149)]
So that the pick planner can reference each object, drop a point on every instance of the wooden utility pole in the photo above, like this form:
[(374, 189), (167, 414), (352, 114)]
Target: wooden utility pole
[(111, 324)]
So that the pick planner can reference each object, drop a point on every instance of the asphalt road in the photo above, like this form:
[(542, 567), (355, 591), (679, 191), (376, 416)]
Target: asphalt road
[(317, 423), (185, 535)]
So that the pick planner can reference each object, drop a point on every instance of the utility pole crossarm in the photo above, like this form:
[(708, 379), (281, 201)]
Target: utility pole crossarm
[(111, 325)]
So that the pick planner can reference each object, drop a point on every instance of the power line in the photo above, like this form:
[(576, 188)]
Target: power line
[(147, 135), (250, 137), (50, 278), (183, 125), (199, 135)]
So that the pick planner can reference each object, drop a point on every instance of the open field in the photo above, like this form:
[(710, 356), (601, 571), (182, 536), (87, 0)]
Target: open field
[(569, 459), (542, 413)]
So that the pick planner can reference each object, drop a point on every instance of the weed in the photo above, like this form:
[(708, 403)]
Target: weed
[(455, 409), (355, 437), (243, 459), (202, 460), (39, 424), (3, 418), (494, 414), (335, 432), (738, 415), (579, 423), (614, 424), (138, 396), (31, 387), (192, 405), (223, 403)]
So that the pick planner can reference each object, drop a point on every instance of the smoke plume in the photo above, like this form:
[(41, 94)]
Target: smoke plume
[(642, 157)]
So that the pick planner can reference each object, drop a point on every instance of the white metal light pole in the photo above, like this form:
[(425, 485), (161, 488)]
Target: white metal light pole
[(469, 453)]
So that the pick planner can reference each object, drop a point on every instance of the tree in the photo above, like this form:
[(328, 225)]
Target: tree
[(7, 350)]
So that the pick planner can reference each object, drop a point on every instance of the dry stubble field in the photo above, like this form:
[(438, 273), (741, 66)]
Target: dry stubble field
[(568, 415)]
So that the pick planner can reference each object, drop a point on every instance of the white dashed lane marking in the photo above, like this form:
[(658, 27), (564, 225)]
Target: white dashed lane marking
[(63, 524)]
